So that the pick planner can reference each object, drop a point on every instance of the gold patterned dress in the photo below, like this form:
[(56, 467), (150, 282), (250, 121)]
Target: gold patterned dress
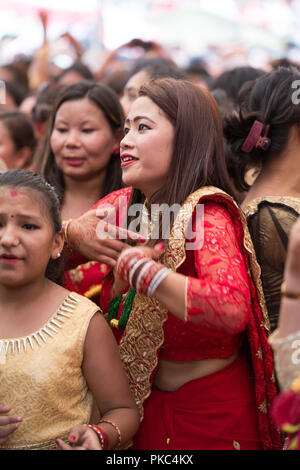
[(270, 221), (41, 377)]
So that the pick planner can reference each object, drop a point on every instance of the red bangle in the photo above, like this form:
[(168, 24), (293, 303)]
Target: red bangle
[(101, 434), (126, 262), (117, 431), (146, 279)]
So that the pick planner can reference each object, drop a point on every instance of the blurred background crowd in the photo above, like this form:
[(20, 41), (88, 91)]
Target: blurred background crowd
[(46, 46), (63, 61)]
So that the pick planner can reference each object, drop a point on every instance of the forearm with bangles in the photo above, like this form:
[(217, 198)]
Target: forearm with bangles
[(102, 435), (141, 272)]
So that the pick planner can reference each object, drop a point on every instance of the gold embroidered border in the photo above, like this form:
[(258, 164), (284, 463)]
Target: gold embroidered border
[(252, 207), (45, 445), (255, 272)]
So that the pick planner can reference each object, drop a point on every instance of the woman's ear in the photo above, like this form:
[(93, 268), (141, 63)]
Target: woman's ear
[(22, 157)]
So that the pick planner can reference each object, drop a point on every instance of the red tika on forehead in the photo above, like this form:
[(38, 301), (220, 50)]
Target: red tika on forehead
[(14, 193)]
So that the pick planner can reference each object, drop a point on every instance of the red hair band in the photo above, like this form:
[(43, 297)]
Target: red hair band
[(255, 139)]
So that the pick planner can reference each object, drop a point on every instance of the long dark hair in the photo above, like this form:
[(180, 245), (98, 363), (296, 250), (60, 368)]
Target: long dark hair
[(268, 99), (108, 102), (198, 153), (47, 197)]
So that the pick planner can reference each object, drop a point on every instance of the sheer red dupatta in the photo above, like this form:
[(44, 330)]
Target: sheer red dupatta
[(144, 335)]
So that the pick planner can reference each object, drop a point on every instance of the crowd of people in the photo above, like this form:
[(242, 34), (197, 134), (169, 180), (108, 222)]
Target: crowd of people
[(149, 256)]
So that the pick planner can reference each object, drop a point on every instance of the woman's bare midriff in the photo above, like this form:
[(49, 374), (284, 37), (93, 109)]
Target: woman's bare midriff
[(171, 375)]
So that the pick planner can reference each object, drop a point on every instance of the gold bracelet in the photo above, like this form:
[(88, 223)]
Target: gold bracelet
[(65, 227), (289, 295)]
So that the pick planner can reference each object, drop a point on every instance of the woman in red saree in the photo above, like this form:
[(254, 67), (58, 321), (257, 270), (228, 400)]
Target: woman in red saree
[(190, 315)]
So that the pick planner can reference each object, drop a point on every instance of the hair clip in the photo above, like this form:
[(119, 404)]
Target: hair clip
[(255, 139)]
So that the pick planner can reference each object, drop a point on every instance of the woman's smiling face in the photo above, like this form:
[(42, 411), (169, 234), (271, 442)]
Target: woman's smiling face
[(146, 149), (82, 140)]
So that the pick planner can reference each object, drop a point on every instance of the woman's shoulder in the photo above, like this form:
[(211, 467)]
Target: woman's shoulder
[(270, 221), (281, 205), (113, 197), (216, 202)]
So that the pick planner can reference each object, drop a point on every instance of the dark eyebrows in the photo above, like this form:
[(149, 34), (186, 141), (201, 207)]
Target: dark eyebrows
[(86, 121), (29, 217), (138, 118)]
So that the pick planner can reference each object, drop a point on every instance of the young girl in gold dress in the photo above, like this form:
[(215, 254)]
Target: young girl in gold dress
[(56, 349)]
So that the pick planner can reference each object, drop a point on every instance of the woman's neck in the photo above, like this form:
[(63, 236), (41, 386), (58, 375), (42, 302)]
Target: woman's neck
[(79, 196), (278, 177)]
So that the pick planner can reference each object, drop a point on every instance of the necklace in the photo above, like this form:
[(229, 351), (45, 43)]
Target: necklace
[(149, 224), (146, 224), (126, 309)]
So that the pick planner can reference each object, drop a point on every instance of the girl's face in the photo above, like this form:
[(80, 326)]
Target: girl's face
[(82, 140), (146, 149), (27, 239)]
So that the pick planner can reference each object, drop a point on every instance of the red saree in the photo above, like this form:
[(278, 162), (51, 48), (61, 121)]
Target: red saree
[(221, 309), (224, 306), (216, 412)]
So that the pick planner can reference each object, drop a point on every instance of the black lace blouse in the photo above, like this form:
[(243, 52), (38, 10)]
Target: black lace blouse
[(270, 221)]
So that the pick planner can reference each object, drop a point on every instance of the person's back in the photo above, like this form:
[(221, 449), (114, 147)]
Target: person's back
[(265, 134)]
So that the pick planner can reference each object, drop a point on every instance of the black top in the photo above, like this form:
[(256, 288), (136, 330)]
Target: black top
[(270, 221)]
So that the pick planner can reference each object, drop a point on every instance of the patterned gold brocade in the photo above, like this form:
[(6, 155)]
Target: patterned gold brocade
[(263, 407), (41, 377), (77, 274), (144, 333)]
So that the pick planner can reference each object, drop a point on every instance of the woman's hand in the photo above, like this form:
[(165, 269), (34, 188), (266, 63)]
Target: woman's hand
[(8, 424), (97, 239), (81, 438), (120, 286)]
